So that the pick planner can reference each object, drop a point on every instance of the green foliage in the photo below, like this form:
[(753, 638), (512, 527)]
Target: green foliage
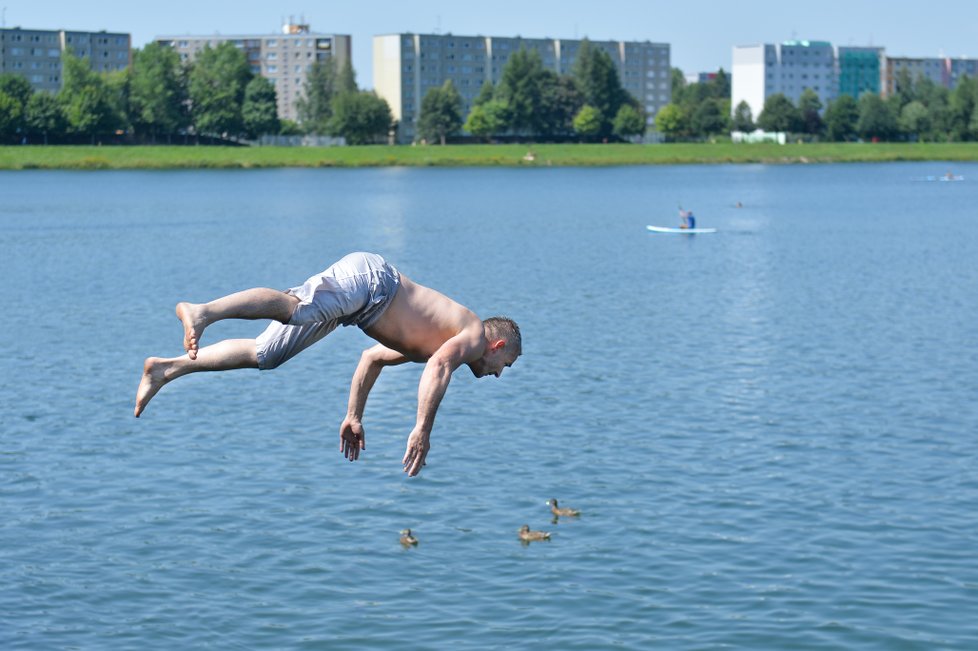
[(485, 94), (260, 110), (587, 122), (742, 118), (876, 118), (361, 118), (11, 115), (672, 122), (779, 114), (44, 116), (346, 81), (961, 109), (487, 119), (810, 108), (560, 102), (18, 92), (441, 113), (157, 91), (599, 84), (520, 88), (628, 122), (289, 128), (86, 99), (315, 106), (914, 119), (841, 117), (217, 86), (711, 117)]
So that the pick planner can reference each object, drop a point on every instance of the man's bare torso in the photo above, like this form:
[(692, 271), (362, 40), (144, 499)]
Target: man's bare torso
[(419, 320)]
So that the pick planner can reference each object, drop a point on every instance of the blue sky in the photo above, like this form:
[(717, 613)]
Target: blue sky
[(701, 34)]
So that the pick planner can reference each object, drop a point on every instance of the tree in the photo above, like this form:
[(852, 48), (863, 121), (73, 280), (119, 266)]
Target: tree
[(599, 84), (85, 99), (710, 118), (217, 85), (520, 89), (587, 122), (742, 119), (486, 93), (779, 114), (15, 93), (961, 107), (628, 122), (841, 117), (810, 108), (936, 99), (361, 117), (315, 106), (346, 81), (671, 121), (157, 92), (44, 116), (260, 108), (560, 102), (914, 120), (876, 119), (486, 119), (441, 113)]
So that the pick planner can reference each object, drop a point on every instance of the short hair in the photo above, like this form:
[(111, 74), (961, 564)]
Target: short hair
[(505, 328)]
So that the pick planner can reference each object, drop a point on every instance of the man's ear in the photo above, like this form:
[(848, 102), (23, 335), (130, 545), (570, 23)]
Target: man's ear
[(497, 344)]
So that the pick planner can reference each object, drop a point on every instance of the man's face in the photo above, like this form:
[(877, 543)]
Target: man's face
[(493, 361)]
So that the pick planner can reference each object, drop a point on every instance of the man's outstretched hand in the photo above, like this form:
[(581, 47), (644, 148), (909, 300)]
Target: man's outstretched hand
[(352, 438), (417, 450)]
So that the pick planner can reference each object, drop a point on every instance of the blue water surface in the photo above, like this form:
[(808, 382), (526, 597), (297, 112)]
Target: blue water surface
[(770, 430)]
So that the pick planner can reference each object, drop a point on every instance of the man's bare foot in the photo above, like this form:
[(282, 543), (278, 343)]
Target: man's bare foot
[(191, 315), (154, 377)]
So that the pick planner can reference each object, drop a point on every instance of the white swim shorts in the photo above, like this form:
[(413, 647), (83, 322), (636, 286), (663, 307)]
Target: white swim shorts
[(356, 290)]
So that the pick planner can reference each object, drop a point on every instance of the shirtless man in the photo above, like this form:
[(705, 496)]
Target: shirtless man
[(412, 323)]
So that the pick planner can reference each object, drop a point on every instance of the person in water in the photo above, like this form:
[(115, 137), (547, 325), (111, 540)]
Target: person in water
[(411, 322)]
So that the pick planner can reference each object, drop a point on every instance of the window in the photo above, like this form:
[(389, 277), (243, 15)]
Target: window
[(271, 43)]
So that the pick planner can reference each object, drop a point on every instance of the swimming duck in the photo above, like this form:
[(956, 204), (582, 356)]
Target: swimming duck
[(527, 536), (558, 512), (407, 539)]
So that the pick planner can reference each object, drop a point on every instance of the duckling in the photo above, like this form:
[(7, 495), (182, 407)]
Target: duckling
[(558, 512), (407, 539), (527, 536)]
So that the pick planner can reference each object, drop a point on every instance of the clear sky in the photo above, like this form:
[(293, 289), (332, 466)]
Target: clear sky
[(700, 33)]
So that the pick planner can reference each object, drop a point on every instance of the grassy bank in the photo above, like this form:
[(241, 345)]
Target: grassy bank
[(159, 157)]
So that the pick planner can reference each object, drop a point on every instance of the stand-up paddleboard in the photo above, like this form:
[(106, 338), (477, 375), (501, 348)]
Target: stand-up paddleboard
[(681, 231)]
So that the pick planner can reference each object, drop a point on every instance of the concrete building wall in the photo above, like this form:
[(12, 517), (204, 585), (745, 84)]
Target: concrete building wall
[(407, 66), (749, 76), (35, 54), (284, 59)]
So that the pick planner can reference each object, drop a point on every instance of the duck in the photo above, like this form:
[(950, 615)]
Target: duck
[(407, 539), (558, 511), (527, 536)]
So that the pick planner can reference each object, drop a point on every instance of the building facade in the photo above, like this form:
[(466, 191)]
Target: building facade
[(284, 59), (760, 71), (406, 66), (860, 70), (35, 54)]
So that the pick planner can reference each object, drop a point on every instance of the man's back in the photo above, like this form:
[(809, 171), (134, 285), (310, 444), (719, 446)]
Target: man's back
[(420, 319)]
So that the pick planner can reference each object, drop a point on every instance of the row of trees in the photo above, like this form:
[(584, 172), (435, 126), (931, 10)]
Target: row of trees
[(158, 98), (919, 110), (531, 101)]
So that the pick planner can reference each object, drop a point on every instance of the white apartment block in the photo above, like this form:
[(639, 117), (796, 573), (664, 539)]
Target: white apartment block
[(760, 71), (406, 66), (284, 59), (35, 54)]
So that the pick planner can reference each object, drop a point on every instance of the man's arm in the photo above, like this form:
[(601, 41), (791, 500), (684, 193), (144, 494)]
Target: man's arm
[(372, 362), (463, 347)]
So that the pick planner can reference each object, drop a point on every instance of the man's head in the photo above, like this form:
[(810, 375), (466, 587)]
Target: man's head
[(504, 345)]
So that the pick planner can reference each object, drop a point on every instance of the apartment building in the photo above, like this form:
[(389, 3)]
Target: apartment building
[(943, 71), (760, 71), (407, 66), (284, 59), (860, 70), (35, 54)]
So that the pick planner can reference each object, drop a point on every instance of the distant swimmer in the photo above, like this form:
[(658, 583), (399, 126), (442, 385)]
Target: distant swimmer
[(738, 205), (413, 323)]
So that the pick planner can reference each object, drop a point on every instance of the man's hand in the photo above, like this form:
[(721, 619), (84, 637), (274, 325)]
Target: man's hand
[(417, 450), (352, 438)]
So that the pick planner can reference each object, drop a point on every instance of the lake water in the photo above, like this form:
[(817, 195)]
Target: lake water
[(770, 430)]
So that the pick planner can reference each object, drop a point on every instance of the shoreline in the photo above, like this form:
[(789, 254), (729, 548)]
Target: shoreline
[(163, 157)]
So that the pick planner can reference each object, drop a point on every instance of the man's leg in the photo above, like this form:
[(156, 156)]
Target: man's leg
[(222, 356), (257, 303)]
